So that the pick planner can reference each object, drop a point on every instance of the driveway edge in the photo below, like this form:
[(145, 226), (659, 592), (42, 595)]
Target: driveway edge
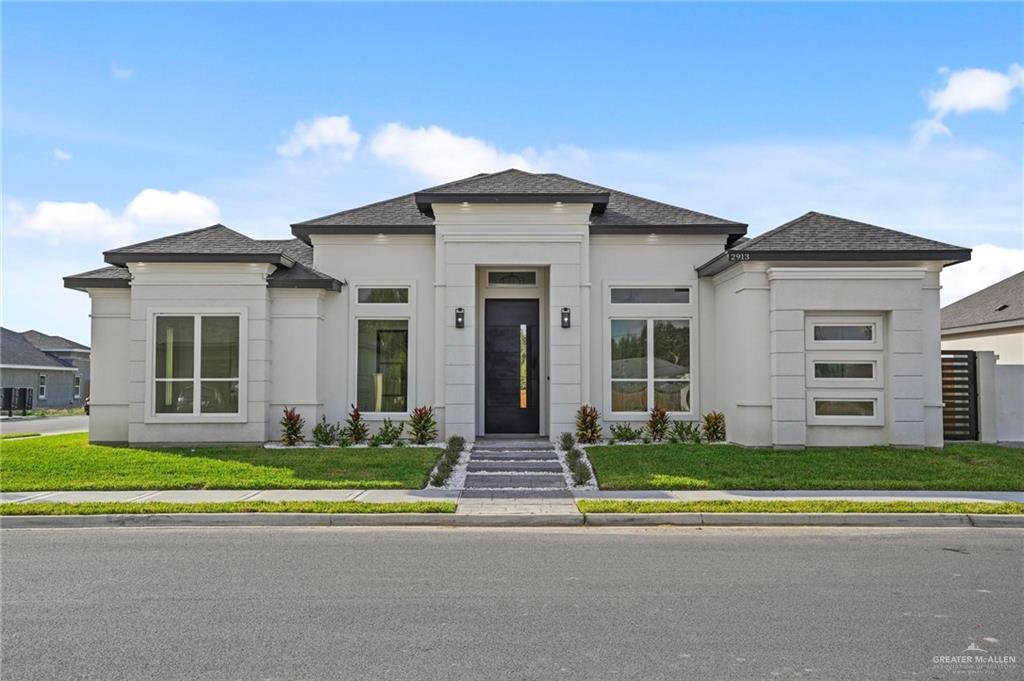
[(513, 520)]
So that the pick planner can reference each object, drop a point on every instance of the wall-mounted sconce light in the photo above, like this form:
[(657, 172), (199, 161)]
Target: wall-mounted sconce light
[(565, 318), (460, 318)]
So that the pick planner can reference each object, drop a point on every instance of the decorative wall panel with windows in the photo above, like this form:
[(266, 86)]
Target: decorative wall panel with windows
[(383, 343), (197, 365), (648, 350), (845, 370)]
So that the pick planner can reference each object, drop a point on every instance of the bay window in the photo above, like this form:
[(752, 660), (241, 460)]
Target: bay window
[(197, 364), (650, 365)]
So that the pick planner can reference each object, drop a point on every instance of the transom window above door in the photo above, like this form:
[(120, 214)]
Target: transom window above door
[(379, 295), (512, 278), (650, 365)]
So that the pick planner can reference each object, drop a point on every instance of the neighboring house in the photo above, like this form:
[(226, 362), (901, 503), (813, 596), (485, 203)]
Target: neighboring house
[(991, 319), (51, 381), (75, 354), (507, 300)]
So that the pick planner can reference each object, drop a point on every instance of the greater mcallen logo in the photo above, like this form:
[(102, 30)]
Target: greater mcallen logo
[(975, 657)]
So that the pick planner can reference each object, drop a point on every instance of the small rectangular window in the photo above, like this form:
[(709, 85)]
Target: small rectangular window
[(384, 296), (650, 295), (383, 365), (844, 370), (512, 278), (42, 386), (844, 332), (861, 408), (78, 386)]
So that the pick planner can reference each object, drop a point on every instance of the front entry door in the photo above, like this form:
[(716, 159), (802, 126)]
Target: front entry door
[(511, 366)]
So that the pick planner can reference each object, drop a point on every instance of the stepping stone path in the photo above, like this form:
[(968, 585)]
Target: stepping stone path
[(510, 469)]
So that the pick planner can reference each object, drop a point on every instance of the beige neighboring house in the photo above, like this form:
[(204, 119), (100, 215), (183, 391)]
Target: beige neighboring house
[(507, 300), (991, 319)]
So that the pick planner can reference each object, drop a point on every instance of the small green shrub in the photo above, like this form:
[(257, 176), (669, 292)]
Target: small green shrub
[(572, 456), (580, 473), (292, 424), (388, 434), (326, 434), (657, 424), (355, 426), (566, 441), (441, 473), (422, 425), (684, 431), (714, 426), (588, 425), (625, 433), (456, 443)]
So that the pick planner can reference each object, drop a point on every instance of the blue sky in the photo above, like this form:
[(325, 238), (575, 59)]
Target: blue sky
[(258, 115)]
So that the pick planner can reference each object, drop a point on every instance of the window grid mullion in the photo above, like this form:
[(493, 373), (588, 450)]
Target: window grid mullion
[(197, 359)]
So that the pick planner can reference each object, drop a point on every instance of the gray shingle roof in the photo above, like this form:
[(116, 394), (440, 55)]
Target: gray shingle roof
[(1000, 303), (817, 236), (104, 277), (15, 350), (622, 210), (45, 341), (215, 243)]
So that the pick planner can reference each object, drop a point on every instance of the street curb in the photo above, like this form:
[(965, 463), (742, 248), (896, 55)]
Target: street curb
[(513, 520)]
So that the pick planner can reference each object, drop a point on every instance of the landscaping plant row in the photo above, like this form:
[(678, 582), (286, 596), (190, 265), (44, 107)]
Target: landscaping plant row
[(658, 428), (574, 460), (449, 459), (355, 430)]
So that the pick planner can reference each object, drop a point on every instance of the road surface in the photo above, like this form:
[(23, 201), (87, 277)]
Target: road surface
[(332, 603), (50, 425)]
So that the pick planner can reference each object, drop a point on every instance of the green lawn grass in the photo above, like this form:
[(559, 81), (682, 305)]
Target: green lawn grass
[(15, 436), (803, 506), (160, 507), (967, 466), (69, 462)]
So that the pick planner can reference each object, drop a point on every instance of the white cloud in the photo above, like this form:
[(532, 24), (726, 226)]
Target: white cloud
[(60, 155), (965, 91), (158, 208), (72, 221), (439, 154), (988, 265), (120, 72), (328, 133)]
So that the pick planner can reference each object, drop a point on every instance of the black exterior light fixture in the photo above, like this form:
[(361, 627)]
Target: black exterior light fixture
[(460, 318), (565, 318)]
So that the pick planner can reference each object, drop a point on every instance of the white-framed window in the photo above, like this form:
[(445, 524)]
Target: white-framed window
[(382, 295), (78, 386), (650, 365), (383, 349), (844, 332), (511, 278), (198, 365), (650, 295), (382, 361), (853, 407), (41, 393), (845, 407), (844, 370)]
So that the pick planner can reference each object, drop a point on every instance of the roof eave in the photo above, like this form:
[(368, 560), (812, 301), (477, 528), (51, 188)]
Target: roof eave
[(123, 259), (303, 230), (425, 200), (85, 283), (733, 257), (734, 230), (326, 284)]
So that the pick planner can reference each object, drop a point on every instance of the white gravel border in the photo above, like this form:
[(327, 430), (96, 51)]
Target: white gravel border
[(458, 476), (310, 445), (567, 474)]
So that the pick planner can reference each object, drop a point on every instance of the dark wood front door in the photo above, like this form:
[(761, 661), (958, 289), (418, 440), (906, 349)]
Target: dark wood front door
[(511, 366)]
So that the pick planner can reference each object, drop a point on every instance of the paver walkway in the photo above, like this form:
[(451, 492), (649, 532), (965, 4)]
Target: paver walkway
[(515, 476)]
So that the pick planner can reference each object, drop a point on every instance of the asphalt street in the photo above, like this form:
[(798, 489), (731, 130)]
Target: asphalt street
[(50, 425), (335, 603)]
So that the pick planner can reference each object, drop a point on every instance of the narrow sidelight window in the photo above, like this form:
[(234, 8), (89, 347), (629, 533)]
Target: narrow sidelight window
[(833, 407), (42, 386), (383, 365), (78, 386), (184, 343), (386, 296)]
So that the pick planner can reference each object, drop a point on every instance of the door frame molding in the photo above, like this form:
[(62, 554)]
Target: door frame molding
[(538, 292)]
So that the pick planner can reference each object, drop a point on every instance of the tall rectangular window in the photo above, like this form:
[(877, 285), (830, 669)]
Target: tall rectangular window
[(650, 365), (78, 386), (185, 342), (42, 386), (383, 366)]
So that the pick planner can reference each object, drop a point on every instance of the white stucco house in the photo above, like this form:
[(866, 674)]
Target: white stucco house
[(507, 300)]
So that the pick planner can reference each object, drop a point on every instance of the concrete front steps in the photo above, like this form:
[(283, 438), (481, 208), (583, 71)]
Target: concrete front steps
[(509, 468)]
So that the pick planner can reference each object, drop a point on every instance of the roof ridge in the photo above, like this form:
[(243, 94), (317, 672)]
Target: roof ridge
[(760, 237), (181, 234), (355, 208), (1008, 281)]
